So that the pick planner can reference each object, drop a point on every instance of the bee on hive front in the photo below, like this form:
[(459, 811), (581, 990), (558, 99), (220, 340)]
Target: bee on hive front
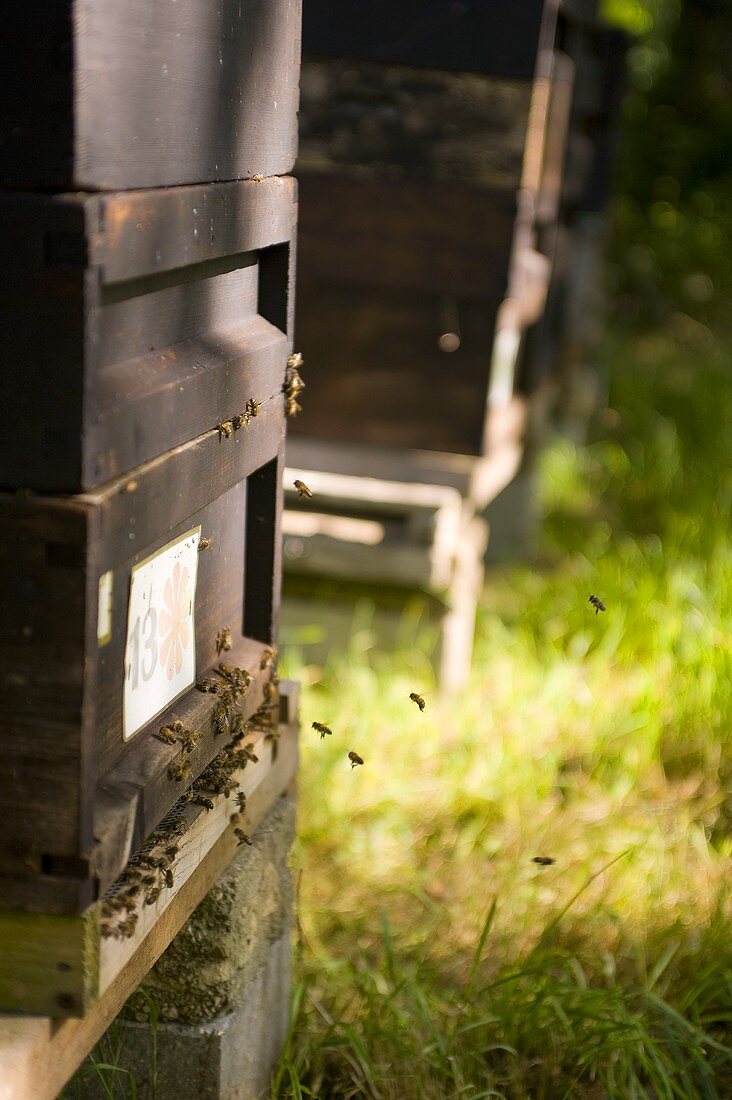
[(302, 489), (355, 759), (322, 730), (241, 420), (203, 544), (253, 407), (241, 801), (224, 428), (597, 604), (167, 735), (268, 655), (417, 699), (178, 772)]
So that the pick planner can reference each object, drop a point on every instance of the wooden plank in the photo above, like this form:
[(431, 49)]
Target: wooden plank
[(148, 307), (492, 36), (406, 234), (38, 1055), (394, 121), (38, 945), (148, 95)]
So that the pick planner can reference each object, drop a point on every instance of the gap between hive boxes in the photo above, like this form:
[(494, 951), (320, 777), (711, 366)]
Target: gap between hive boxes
[(68, 959)]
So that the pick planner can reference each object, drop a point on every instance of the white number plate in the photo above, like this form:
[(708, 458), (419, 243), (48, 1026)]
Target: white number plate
[(160, 655)]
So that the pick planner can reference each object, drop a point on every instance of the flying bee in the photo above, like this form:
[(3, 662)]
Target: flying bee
[(152, 895), (253, 407), (203, 544), (126, 928), (224, 429), (168, 875), (241, 420), (417, 699), (242, 837), (241, 801), (355, 759), (268, 655), (223, 640), (167, 735), (178, 772), (543, 861), (302, 489), (597, 604), (322, 730), (203, 801), (249, 754)]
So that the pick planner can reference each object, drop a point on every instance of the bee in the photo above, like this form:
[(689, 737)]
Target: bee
[(148, 880), (152, 895), (302, 489), (241, 420), (207, 684), (543, 861), (223, 640), (203, 801), (220, 720), (241, 801), (242, 837), (172, 851), (293, 384), (253, 407), (597, 604), (190, 739), (417, 699), (322, 730), (166, 734), (168, 875), (249, 754), (224, 429), (203, 544), (258, 178), (127, 900), (126, 928), (268, 655), (355, 759), (178, 772)]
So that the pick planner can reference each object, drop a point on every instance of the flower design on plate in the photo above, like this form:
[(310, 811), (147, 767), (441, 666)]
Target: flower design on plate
[(174, 628)]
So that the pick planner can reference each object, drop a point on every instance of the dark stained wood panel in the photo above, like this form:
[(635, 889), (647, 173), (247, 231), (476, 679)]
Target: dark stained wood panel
[(142, 94), (405, 234), (401, 122), (61, 681), (145, 328), (386, 381)]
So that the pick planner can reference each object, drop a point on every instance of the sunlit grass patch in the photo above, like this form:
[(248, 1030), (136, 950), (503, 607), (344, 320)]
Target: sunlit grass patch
[(599, 740)]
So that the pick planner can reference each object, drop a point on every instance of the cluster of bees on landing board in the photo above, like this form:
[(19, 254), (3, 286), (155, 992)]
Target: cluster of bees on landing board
[(325, 731), (151, 871)]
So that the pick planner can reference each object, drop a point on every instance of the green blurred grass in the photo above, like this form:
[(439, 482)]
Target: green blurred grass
[(435, 959)]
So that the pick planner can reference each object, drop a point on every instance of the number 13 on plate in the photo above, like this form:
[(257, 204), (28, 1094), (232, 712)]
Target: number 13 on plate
[(160, 655)]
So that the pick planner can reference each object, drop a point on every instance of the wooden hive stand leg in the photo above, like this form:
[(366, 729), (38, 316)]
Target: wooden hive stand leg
[(458, 627)]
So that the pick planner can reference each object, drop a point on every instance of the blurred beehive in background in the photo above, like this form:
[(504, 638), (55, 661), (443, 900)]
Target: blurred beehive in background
[(450, 157)]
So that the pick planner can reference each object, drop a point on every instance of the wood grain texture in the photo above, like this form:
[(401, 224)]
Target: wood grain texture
[(61, 695), (37, 1056), (146, 307), (396, 122), (50, 963), (148, 95)]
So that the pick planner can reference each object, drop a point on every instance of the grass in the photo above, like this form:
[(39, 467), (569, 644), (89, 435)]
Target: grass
[(435, 959)]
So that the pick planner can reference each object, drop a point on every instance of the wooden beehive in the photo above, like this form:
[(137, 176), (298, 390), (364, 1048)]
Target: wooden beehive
[(154, 315), (432, 174), (143, 94), (112, 613)]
